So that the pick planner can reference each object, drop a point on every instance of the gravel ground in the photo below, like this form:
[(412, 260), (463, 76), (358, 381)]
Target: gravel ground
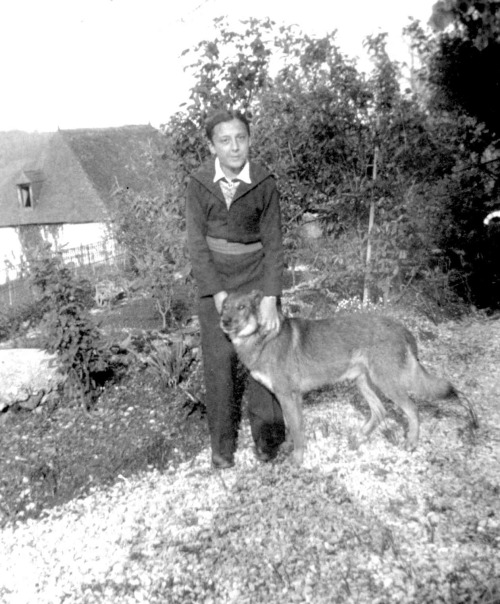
[(369, 524)]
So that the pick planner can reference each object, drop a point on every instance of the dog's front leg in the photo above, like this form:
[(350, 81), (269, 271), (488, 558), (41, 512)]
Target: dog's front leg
[(291, 405)]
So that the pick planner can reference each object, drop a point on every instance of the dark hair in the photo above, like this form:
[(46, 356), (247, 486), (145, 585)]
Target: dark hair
[(224, 116)]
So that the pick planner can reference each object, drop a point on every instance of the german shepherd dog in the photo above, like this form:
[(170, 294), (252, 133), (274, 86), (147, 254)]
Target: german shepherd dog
[(377, 353)]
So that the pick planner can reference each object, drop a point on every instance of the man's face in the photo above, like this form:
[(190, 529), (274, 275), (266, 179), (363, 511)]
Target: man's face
[(231, 144)]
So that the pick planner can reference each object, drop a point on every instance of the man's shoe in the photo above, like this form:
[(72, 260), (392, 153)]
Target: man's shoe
[(221, 463)]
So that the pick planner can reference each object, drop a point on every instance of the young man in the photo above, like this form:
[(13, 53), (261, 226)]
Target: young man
[(234, 238)]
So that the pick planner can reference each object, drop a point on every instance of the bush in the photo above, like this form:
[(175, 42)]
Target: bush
[(15, 320), (150, 228), (69, 330)]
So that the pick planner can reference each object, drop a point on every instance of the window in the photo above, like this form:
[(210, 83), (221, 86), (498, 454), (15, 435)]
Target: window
[(29, 185), (25, 195)]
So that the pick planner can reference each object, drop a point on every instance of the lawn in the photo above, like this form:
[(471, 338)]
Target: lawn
[(120, 504)]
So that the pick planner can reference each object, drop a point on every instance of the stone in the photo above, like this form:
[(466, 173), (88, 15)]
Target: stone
[(27, 377), (310, 228)]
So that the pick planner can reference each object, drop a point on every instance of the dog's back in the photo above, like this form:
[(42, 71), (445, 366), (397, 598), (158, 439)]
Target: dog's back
[(315, 353)]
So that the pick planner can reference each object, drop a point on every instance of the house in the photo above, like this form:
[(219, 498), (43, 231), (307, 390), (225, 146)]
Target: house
[(59, 186)]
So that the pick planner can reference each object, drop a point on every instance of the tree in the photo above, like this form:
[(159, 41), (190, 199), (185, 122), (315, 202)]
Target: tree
[(150, 227), (465, 70), (465, 84), (84, 357), (475, 20), (318, 124)]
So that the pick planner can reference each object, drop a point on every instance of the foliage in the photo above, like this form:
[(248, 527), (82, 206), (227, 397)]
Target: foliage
[(69, 331), (170, 362), (344, 145), (467, 78), (151, 229), (232, 69), (318, 124), (15, 320), (31, 238), (474, 20), (459, 62), (463, 68), (461, 71)]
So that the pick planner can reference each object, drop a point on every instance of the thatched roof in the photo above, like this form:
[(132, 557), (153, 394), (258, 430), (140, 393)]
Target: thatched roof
[(72, 173)]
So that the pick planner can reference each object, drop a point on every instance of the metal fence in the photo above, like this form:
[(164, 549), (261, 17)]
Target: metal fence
[(86, 255), (89, 261)]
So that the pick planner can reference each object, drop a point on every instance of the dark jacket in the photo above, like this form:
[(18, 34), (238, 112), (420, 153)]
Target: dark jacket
[(254, 215)]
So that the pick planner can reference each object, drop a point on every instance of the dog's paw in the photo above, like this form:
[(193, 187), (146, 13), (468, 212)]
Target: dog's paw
[(297, 457), (287, 447), (410, 445), (355, 440)]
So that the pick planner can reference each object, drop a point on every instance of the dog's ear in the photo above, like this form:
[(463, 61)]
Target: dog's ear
[(256, 296)]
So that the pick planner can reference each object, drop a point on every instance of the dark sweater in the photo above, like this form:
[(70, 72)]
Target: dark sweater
[(254, 215)]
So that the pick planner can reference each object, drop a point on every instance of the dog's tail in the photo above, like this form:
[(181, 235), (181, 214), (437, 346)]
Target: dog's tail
[(427, 386)]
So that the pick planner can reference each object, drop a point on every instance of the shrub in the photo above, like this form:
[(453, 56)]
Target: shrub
[(150, 228), (170, 362), (14, 320), (69, 329)]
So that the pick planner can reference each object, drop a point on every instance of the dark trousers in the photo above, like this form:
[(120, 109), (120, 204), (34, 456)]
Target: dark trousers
[(224, 392)]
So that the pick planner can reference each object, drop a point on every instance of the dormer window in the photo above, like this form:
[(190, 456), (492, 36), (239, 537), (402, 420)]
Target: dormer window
[(29, 184), (25, 194)]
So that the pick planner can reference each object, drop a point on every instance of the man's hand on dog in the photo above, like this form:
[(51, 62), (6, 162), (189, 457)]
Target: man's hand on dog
[(269, 317)]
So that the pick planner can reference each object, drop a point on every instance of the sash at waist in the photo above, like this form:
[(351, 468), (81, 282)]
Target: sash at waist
[(222, 246)]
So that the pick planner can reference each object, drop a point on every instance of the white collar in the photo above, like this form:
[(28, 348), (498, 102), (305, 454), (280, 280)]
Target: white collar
[(244, 175)]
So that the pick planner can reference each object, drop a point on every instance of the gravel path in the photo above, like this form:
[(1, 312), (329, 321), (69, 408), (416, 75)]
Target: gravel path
[(353, 525)]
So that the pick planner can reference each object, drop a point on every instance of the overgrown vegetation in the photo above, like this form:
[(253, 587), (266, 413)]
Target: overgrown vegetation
[(84, 357), (461, 64), (150, 229), (136, 422), (15, 320), (387, 167)]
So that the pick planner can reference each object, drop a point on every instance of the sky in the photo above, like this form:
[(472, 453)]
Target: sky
[(100, 63)]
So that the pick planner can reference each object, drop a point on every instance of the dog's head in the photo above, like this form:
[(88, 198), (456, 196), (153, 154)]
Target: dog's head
[(240, 314)]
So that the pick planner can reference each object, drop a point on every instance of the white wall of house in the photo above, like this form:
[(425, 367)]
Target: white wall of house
[(68, 236), (10, 250)]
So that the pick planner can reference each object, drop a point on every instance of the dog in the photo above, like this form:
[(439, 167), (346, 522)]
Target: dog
[(378, 353)]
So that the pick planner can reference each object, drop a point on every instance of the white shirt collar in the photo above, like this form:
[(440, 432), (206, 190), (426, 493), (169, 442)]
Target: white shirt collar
[(244, 175)]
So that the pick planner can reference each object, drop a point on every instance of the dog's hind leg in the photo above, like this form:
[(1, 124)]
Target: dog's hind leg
[(394, 389), (377, 408), (400, 397), (411, 411), (291, 405)]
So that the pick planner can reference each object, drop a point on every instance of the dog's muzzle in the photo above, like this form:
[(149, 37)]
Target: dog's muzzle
[(225, 324)]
